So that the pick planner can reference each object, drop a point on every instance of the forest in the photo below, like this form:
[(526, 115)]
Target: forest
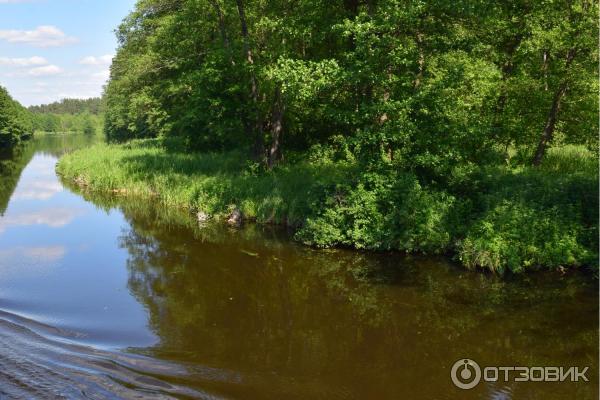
[(429, 84), (459, 127), (70, 106), (68, 116)]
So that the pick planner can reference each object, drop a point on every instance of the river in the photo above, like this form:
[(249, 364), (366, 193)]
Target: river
[(106, 297)]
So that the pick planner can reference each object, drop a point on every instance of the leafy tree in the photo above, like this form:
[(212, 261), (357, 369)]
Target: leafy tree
[(15, 122), (88, 126)]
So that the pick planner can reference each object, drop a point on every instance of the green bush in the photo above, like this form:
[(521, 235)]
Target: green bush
[(496, 218), (383, 212), (517, 236)]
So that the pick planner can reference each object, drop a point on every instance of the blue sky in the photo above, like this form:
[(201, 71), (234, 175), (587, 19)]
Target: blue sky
[(52, 49)]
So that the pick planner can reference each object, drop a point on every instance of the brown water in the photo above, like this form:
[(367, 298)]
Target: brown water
[(101, 297)]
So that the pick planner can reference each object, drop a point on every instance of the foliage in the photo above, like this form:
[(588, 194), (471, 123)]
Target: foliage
[(427, 86), (499, 218), (15, 123)]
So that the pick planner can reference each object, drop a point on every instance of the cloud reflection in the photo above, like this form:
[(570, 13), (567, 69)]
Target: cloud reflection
[(29, 261), (42, 254), (38, 190), (52, 217)]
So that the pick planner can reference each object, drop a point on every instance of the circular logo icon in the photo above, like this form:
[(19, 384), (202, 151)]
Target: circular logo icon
[(465, 374)]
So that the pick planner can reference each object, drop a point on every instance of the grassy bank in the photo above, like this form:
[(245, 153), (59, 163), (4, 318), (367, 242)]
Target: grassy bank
[(497, 218)]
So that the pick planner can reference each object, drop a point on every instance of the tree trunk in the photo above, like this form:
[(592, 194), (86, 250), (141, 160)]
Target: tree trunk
[(276, 128), (258, 149), (548, 133), (420, 61), (507, 71), (550, 125), (221, 20), (244, 26), (545, 68), (387, 145)]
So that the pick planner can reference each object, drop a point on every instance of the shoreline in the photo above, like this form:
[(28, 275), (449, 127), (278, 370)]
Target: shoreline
[(217, 186)]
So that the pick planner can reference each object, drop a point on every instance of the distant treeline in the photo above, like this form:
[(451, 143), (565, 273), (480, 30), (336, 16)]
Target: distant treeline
[(63, 123), (70, 106), (15, 121), (68, 115)]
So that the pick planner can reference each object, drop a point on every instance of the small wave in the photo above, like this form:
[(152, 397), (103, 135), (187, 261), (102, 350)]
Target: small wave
[(37, 361)]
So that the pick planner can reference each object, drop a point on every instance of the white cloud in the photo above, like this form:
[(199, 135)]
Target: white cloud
[(45, 70), (42, 36), (22, 62), (52, 82), (102, 60)]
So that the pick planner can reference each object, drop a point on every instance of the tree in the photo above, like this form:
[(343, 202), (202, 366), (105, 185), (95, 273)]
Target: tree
[(15, 121), (88, 126), (425, 86), (570, 59)]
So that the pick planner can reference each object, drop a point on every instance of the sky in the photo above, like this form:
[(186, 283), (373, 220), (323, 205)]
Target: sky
[(54, 49)]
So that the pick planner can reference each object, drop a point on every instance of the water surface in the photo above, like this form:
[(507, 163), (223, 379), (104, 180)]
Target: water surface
[(104, 297)]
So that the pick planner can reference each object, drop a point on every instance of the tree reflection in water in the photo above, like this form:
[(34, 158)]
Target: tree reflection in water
[(13, 161), (334, 323)]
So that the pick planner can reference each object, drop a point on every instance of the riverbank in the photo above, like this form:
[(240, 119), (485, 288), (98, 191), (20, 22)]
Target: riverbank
[(497, 218)]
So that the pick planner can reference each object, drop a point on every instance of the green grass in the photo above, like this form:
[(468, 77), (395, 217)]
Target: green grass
[(213, 183), (497, 218), (570, 159)]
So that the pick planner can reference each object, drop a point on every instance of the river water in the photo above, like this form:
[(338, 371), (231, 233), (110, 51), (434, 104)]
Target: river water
[(104, 297)]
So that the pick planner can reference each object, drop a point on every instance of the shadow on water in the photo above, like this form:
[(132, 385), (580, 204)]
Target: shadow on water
[(105, 297)]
